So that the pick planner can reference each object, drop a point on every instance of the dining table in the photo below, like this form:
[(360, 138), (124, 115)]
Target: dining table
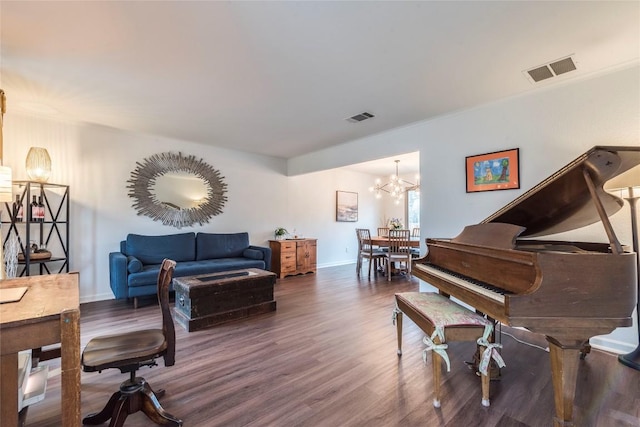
[(414, 242)]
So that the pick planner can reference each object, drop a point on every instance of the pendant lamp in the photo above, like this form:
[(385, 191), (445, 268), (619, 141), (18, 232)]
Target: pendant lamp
[(38, 164)]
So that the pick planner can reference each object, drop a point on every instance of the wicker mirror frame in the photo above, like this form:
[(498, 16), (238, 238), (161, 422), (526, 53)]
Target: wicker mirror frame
[(145, 202)]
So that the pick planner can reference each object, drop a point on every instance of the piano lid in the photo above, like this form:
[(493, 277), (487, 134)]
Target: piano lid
[(563, 202)]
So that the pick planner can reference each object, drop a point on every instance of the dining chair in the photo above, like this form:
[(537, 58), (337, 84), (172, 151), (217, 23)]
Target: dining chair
[(367, 251), (415, 232), (128, 352), (399, 254), (383, 231)]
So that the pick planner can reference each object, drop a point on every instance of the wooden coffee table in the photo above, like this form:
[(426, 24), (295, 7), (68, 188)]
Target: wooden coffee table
[(210, 299)]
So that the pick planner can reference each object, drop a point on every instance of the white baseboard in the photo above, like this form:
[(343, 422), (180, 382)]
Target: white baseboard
[(98, 297), (611, 346), (336, 264)]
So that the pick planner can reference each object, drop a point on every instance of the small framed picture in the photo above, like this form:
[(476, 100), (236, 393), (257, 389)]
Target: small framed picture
[(346, 206), (499, 170)]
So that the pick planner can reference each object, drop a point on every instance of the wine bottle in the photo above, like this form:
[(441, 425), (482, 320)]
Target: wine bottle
[(34, 210), (20, 216), (17, 209), (14, 209), (40, 209)]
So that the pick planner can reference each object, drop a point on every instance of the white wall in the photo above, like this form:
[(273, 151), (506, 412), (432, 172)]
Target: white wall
[(312, 212)]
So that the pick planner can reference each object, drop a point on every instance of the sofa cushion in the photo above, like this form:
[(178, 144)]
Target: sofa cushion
[(149, 273), (215, 265), (153, 249), (134, 265), (253, 254), (219, 245), (224, 264)]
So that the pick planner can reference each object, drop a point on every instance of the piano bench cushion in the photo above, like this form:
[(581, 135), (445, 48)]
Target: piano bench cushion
[(441, 311)]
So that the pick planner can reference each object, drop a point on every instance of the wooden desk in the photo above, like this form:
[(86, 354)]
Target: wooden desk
[(48, 313), (384, 241)]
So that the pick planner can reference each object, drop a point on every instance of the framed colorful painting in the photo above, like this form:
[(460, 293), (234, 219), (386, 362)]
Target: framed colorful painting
[(346, 206), (499, 170)]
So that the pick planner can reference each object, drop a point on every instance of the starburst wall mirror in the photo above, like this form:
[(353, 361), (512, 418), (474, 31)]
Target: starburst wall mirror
[(177, 190)]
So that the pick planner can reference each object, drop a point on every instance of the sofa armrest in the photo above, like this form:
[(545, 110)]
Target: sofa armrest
[(266, 251), (118, 274)]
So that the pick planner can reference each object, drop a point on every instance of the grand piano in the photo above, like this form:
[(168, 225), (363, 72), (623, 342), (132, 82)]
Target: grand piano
[(568, 291)]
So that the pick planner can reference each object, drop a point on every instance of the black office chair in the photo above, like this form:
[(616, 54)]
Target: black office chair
[(128, 352)]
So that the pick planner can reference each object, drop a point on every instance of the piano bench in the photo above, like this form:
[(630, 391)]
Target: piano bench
[(442, 320)]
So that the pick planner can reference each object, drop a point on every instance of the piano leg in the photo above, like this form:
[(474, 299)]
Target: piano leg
[(436, 366), (398, 320), (485, 381), (564, 373), (494, 370)]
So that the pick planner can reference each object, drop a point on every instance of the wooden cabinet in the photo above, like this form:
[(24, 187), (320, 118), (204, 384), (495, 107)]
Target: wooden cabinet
[(293, 256), (306, 256), (283, 257)]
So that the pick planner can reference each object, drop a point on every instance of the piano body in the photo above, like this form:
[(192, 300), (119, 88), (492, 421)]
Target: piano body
[(568, 291)]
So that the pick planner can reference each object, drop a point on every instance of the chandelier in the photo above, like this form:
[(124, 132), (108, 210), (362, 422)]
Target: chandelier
[(396, 187)]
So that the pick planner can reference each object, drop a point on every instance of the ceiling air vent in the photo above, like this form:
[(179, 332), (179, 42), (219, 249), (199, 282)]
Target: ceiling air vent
[(563, 66), (551, 69), (360, 117)]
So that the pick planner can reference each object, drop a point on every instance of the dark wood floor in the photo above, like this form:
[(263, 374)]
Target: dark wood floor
[(327, 357)]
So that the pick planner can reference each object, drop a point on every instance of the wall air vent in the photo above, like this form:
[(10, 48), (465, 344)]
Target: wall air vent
[(360, 117), (551, 69)]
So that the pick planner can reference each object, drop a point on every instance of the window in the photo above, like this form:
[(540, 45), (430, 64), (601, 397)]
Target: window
[(413, 209)]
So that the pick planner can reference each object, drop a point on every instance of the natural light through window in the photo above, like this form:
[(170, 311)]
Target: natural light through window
[(413, 209)]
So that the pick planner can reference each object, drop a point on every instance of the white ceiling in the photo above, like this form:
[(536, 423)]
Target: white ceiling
[(279, 78)]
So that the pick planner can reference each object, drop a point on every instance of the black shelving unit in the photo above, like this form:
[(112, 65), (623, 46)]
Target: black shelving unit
[(52, 233)]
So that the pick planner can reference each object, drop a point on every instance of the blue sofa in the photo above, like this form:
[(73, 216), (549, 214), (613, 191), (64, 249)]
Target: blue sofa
[(133, 272)]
